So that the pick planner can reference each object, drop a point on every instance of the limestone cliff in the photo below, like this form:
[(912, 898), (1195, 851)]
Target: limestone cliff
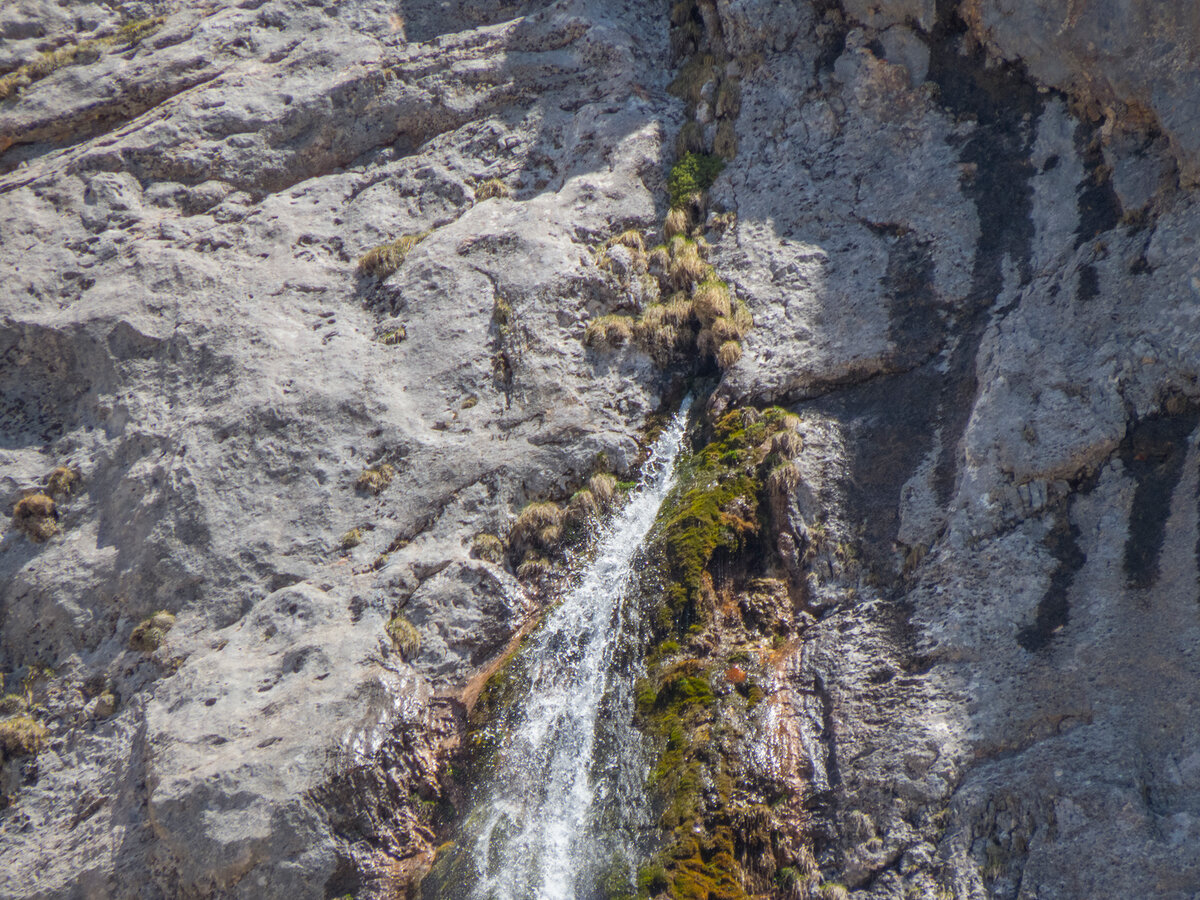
[(294, 324)]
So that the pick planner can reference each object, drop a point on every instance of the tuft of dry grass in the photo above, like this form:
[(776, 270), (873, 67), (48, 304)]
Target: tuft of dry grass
[(52, 60), (604, 488), (37, 516), (21, 736), (394, 337), (373, 481), (380, 262), (151, 631), (687, 266), (677, 222), (725, 143), (711, 301), (62, 482), (729, 354), (351, 539), (724, 329), (539, 526), (493, 187), (405, 638), (608, 331), (488, 547)]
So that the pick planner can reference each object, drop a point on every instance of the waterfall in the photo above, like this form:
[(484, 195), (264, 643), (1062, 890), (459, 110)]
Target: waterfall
[(564, 799)]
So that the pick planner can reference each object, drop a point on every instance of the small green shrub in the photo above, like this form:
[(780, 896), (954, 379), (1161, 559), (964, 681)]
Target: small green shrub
[(351, 539), (37, 516), (21, 736), (693, 174), (373, 481), (151, 631)]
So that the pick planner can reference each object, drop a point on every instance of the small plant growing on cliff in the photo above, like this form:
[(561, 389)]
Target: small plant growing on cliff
[(405, 637), (394, 337), (488, 547), (608, 331), (382, 261), (128, 34), (537, 528), (493, 187), (37, 516), (351, 539), (151, 631), (693, 174), (373, 481), (21, 736), (11, 704), (62, 482)]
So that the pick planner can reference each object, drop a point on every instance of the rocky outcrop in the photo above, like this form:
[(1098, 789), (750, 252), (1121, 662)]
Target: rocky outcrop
[(966, 236)]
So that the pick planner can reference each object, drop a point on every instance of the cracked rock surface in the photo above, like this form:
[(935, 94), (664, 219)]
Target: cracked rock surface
[(967, 233)]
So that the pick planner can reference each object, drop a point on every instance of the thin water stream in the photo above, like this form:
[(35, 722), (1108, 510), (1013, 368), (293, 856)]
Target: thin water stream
[(566, 794)]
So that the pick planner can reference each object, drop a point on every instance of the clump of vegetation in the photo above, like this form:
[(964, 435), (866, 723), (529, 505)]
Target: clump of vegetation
[(62, 482), (380, 262), (609, 331), (11, 704), (37, 516), (394, 337), (405, 637), (149, 634), (488, 547), (604, 488), (677, 222), (493, 187), (21, 736), (127, 35), (693, 174), (537, 532), (351, 539), (373, 481)]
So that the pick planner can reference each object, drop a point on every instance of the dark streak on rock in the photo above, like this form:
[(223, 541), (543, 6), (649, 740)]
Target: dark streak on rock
[(1153, 453), (1053, 610)]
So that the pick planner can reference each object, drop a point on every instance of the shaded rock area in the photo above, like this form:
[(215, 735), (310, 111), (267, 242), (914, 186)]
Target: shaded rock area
[(967, 234)]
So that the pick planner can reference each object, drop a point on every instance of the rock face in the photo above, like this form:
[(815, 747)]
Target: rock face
[(968, 237)]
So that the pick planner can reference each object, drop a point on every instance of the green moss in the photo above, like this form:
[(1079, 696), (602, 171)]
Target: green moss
[(693, 174)]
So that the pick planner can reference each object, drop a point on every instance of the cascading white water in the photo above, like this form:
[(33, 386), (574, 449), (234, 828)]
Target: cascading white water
[(554, 813)]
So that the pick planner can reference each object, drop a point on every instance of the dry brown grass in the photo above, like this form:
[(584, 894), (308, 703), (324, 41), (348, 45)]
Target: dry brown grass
[(687, 265), (373, 481), (677, 222), (725, 143), (37, 516), (405, 638), (52, 60), (724, 329), (62, 482), (604, 488), (382, 261), (711, 301), (608, 331), (538, 527), (488, 547), (493, 187), (151, 631), (21, 736), (729, 354)]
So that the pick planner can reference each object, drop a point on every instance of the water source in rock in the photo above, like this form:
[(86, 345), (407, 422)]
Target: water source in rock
[(564, 805)]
